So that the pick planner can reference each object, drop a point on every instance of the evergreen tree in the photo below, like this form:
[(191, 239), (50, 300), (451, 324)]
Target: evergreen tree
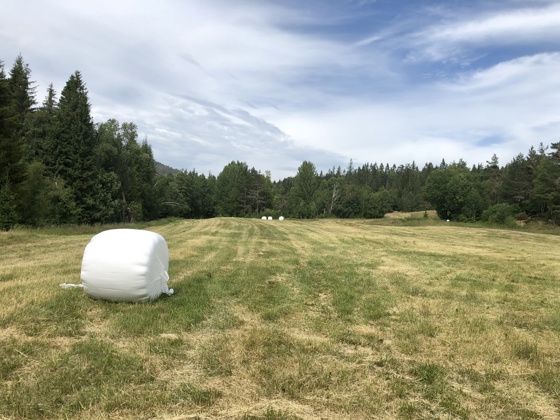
[(546, 183), (74, 157), (41, 131), (14, 105), (7, 207), (493, 177), (517, 186), (147, 178), (35, 196), (8, 151), (22, 95), (169, 196)]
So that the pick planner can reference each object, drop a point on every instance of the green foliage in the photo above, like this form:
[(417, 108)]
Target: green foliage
[(7, 207), (230, 189), (35, 204), (455, 193), (546, 185), (302, 193), (501, 214), (171, 199), (240, 191)]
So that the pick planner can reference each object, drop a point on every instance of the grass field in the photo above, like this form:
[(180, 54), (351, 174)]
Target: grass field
[(324, 319)]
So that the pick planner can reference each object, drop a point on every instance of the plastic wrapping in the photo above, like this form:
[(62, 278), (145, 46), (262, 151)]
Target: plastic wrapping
[(126, 265)]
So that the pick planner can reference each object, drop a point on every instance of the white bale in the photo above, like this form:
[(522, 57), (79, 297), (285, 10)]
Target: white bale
[(263, 218), (281, 218), (269, 217), (126, 265)]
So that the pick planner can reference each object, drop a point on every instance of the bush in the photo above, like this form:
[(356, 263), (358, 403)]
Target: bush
[(501, 214)]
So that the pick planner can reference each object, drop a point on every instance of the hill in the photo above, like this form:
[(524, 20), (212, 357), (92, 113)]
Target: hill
[(162, 169)]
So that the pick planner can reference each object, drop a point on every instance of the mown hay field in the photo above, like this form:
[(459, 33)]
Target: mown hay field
[(323, 319)]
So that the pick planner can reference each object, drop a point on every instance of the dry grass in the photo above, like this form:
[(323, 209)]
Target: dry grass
[(294, 319), (431, 214)]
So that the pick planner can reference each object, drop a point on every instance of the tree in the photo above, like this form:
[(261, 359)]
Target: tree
[(546, 191), (74, 157), (258, 192), (16, 102), (455, 193), (230, 192), (22, 98), (41, 131), (493, 177), (328, 194), (169, 196), (303, 191), (147, 177), (34, 195), (517, 185), (119, 155), (198, 190), (8, 151), (7, 207)]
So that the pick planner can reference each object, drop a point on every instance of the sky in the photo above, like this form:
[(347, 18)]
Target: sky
[(274, 83)]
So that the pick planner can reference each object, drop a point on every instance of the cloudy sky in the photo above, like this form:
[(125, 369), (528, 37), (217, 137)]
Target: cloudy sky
[(274, 83)]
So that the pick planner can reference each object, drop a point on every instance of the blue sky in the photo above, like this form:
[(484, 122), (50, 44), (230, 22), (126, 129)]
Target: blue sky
[(274, 83)]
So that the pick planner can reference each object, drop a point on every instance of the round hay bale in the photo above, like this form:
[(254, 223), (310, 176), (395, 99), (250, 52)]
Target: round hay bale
[(126, 265)]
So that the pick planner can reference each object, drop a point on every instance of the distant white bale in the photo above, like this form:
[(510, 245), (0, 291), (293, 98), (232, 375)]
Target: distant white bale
[(263, 218), (126, 265), (281, 218), (269, 217)]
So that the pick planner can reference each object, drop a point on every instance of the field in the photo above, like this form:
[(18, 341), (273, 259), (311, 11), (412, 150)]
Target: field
[(324, 319)]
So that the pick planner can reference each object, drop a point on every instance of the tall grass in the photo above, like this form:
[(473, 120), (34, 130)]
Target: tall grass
[(292, 320)]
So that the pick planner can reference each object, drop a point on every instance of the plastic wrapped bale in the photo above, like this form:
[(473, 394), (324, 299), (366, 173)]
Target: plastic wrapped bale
[(126, 265)]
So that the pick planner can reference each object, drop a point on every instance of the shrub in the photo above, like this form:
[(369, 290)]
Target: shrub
[(500, 214)]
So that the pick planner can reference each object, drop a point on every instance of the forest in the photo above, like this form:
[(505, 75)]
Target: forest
[(58, 166)]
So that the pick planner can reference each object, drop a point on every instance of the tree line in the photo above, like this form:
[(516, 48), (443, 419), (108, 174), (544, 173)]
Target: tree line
[(59, 167)]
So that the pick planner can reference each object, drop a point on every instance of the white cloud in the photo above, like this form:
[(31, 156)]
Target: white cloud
[(260, 82), (450, 120), (485, 29)]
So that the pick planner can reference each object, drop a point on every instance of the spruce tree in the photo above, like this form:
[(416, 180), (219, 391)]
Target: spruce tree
[(21, 96), (7, 207), (42, 131), (74, 155), (6, 147)]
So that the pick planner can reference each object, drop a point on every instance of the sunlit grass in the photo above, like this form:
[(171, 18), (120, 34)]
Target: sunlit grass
[(289, 320)]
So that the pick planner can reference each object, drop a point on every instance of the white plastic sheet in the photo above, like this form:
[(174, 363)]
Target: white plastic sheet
[(126, 265)]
